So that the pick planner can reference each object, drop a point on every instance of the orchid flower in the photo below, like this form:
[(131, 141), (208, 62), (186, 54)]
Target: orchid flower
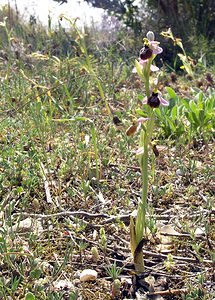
[(142, 64), (149, 49), (136, 126), (155, 100), (155, 48)]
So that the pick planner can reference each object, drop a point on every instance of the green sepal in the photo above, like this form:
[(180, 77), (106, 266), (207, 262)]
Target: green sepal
[(139, 69)]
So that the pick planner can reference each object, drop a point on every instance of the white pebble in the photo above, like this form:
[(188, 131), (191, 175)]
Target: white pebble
[(88, 275), (180, 172)]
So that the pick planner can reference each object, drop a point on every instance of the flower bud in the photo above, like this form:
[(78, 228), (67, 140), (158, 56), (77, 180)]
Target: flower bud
[(150, 36)]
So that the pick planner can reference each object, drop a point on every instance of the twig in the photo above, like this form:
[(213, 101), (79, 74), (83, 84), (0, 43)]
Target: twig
[(125, 166), (91, 216), (126, 218), (71, 214), (169, 292), (186, 259), (16, 253), (46, 184)]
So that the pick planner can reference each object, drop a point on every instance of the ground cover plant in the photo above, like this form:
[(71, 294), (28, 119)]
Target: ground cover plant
[(70, 178)]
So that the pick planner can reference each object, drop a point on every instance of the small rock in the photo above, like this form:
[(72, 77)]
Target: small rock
[(88, 275), (77, 274), (169, 230), (199, 232), (40, 283), (28, 225), (180, 172), (63, 285), (46, 267)]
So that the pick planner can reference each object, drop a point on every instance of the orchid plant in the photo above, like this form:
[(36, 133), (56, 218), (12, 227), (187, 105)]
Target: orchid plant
[(144, 68)]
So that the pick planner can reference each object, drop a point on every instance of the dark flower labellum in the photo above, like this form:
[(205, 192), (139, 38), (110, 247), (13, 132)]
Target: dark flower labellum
[(132, 129), (155, 150), (153, 101), (116, 121), (146, 52)]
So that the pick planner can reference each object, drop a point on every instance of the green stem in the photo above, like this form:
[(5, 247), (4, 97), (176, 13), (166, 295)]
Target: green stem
[(140, 225), (144, 162), (147, 86), (138, 231), (146, 77), (144, 169)]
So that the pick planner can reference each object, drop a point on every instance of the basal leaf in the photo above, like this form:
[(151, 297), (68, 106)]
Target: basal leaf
[(171, 92)]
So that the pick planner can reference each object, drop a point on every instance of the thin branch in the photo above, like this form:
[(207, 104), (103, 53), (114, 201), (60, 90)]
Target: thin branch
[(71, 214), (169, 292), (186, 259), (46, 184)]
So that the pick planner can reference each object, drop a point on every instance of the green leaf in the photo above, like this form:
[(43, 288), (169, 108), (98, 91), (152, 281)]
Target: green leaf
[(174, 113), (171, 93), (140, 97), (139, 226), (193, 106), (196, 120), (188, 116), (36, 273), (199, 97), (72, 119), (140, 112), (29, 296), (139, 69), (185, 102), (158, 113), (202, 116), (172, 126)]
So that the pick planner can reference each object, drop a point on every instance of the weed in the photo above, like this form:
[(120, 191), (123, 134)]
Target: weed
[(113, 271)]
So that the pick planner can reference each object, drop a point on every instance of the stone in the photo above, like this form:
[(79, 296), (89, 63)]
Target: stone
[(88, 275)]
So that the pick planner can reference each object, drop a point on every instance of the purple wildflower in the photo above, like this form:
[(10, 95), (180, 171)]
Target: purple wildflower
[(155, 100)]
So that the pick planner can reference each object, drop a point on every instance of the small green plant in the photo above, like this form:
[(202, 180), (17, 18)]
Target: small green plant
[(95, 254), (188, 118), (113, 271), (196, 290), (185, 59), (29, 296), (200, 113), (169, 263), (103, 239), (171, 118)]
